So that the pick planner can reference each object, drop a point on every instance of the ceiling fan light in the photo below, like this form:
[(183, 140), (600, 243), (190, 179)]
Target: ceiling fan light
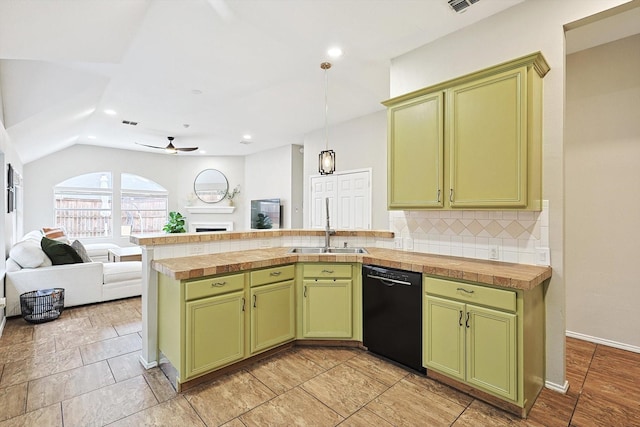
[(170, 150), (327, 162)]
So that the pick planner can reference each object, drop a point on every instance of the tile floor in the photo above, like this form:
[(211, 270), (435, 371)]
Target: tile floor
[(83, 370)]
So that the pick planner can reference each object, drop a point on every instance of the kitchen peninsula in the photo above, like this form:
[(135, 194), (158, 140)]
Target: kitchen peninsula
[(245, 261)]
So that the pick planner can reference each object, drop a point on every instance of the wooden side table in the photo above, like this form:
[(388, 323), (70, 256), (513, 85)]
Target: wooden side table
[(129, 253)]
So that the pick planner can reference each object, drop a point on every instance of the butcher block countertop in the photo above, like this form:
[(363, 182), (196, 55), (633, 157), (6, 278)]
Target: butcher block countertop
[(502, 274)]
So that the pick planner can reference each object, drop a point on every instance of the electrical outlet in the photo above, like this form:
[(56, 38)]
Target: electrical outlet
[(494, 252), (398, 242), (196, 249), (3, 302), (408, 243), (543, 256)]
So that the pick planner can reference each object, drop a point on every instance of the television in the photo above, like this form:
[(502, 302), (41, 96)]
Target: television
[(266, 214)]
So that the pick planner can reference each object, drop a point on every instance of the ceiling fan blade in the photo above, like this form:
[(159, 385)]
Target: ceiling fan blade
[(186, 148), (150, 146)]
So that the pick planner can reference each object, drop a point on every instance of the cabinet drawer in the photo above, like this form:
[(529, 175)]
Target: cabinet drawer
[(272, 275), (476, 294), (327, 271), (215, 285)]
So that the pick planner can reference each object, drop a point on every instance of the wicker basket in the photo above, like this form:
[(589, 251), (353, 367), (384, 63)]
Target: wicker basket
[(43, 305)]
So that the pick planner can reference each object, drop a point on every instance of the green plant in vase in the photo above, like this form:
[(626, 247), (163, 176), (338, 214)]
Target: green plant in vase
[(175, 223)]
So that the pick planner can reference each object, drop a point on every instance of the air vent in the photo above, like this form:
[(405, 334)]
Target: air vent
[(130, 123), (460, 5)]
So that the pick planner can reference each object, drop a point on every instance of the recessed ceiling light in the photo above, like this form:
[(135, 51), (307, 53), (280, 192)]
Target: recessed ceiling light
[(334, 52), (246, 136), (110, 112)]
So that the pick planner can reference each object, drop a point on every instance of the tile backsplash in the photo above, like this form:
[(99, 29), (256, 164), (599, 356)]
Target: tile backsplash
[(511, 236)]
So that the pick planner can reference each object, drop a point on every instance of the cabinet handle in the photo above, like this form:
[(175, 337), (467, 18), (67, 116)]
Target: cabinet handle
[(451, 195), (465, 291), (255, 298), (275, 273), (438, 196), (460, 319), (305, 292), (243, 301), (466, 322), (218, 284), (328, 271)]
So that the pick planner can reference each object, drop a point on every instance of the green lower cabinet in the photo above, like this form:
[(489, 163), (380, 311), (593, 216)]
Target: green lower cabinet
[(327, 309), (273, 318), (214, 333), (487, 338), (471, 343), (491, 350), (444, 340)]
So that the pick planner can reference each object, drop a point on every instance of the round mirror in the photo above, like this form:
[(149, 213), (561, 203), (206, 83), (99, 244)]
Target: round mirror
[(211, 186)]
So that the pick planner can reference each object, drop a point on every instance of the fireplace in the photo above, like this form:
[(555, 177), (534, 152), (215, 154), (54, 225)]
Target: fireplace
[(203, 227)]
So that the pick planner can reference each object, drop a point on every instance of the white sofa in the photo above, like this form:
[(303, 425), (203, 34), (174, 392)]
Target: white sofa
[(84, 283)]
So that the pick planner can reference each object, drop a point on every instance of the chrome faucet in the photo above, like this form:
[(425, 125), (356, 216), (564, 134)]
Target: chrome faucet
[(327, 230)]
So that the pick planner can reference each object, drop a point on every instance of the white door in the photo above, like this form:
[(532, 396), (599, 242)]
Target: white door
[(321, 188), (349, 196), (354, 201)]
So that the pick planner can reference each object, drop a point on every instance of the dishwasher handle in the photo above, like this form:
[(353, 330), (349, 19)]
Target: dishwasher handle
[(389, 282)]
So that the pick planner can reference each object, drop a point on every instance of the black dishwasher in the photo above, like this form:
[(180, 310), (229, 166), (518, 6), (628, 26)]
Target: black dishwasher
[(392, 314)]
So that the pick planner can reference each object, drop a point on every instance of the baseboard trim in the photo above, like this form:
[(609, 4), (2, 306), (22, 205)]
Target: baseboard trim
[(608, 343), (557, 387), (147, 365)]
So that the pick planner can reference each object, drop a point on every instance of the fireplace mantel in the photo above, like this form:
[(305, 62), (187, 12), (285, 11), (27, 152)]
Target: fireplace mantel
[(210, 209)]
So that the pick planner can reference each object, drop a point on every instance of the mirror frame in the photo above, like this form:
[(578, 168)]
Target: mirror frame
[(214, 177)]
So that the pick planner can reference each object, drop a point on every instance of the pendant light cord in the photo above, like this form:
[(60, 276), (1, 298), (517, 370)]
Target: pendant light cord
[(325, 66)]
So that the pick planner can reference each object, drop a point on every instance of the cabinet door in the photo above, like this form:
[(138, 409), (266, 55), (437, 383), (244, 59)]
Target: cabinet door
[(214, 332), (416, 153), (444, 340), (326, 309), (487, 133), (491, 351), (272, 315)]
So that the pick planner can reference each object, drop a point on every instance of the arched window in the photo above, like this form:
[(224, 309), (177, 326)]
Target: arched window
[(143, 205), (83, 205)]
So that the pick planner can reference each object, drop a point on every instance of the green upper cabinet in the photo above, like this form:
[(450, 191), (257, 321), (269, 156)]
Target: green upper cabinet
[(474, 142), (416, 143), (487, 126)]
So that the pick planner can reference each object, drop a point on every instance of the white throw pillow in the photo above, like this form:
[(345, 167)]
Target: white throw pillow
[(28, 254)]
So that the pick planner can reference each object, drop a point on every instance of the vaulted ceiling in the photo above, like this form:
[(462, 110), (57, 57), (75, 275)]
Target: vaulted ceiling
[(204, 71)]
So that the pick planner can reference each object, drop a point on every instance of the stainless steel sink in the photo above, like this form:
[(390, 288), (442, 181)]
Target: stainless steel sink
[(306, 250), (346, 251), (328, 251)]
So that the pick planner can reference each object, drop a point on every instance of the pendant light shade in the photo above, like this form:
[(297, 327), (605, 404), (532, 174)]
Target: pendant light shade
[(327, 158), (327, 162)]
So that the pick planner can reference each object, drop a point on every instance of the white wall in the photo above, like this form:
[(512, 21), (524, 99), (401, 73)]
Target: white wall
[(175, 173), (360, 143), (523, 29), (274, 174), (602, 156)]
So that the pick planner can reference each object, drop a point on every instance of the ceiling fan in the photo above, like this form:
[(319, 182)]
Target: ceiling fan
[(171, 149)]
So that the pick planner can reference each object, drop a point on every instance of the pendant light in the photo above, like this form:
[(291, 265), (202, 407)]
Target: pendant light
[(327, 158)]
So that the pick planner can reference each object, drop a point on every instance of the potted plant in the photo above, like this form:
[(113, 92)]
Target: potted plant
[(175, 223)]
